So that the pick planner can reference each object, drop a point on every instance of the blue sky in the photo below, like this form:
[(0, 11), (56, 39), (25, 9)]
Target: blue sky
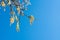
[(46, 25)]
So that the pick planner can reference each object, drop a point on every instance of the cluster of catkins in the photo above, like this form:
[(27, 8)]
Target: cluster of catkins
[(20, 7)]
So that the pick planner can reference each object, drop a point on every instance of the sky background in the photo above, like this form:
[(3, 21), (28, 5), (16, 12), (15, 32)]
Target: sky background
[(46, 25)]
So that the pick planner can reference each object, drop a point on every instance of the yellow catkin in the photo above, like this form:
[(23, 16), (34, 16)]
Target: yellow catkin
[(18, 9), (12, 20), (31, 19), (17, 27), (2, 3)]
